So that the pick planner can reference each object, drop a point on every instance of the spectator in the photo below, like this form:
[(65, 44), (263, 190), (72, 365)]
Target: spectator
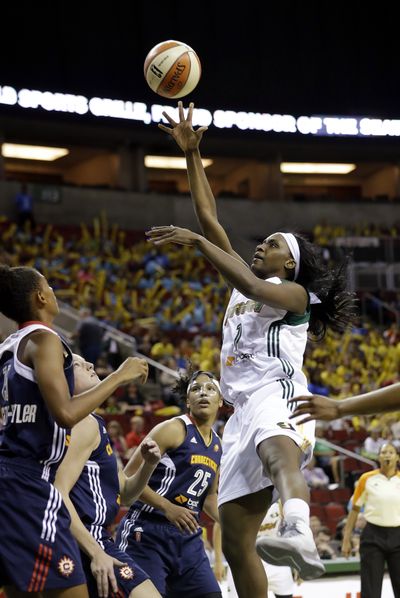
[(118, 442), (315, 476), (24, 205), (326, 457), (102, 367), (373, 444), (90, 335), (323, 543), (114, 357), (131, 398), (136, 434)]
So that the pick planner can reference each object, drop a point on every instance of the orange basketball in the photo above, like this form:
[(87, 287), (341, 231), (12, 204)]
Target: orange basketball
[(172, 69)]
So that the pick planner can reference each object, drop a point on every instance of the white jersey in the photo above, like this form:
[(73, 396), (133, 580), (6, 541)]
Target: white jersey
[(260, 345)]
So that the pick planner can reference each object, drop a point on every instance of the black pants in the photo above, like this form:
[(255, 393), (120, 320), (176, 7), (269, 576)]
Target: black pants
[(377, 546)]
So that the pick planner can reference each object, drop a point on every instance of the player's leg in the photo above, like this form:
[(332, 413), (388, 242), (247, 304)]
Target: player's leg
[(240, 522), (282, 458), (145, 590), (74, 592)]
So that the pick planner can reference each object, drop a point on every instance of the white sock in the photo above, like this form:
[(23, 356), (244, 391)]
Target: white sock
[(296, 508)]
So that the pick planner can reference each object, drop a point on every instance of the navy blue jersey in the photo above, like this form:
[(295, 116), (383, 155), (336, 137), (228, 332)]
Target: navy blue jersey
[(96, 493), (28, 431), (184, 475)]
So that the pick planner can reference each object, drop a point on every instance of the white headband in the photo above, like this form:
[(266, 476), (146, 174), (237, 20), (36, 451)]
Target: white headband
[(213, 380), (294, 250)]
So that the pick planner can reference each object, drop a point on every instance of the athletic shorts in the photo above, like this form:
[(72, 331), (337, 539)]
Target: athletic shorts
[(128, 577), (176, 563), (37, 550), (280, 581), (261, 415)]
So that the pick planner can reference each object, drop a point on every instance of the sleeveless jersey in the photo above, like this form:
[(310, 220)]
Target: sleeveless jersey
[(260, 345), (184, 475), (28, 430), (96, 493)]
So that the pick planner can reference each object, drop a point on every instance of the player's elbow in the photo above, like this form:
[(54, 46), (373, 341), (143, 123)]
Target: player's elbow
[(65, 419)]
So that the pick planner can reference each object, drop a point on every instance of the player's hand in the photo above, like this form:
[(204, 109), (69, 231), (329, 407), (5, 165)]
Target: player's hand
[(314, 407), (133, 369), (219, 571), (161, 235), (183, 518), (150, 451), (185, 136), (346, 548), (102, 567)]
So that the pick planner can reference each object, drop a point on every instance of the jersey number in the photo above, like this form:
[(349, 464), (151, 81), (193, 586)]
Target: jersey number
[(4, 390), (202, 478)]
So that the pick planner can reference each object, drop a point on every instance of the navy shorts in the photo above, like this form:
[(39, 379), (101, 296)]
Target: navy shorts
[(37, 550), (176, 563), (128, 577)]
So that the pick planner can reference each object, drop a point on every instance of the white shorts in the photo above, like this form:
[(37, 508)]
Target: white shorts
[(280, 581), (259, 416)]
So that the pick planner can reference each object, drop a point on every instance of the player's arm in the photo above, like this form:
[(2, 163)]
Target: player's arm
[(289, 296), (168, 435), (84, 440), (218, 554), (210, 506), (203, 198), (324, 408), (45, 352), (133, 486)]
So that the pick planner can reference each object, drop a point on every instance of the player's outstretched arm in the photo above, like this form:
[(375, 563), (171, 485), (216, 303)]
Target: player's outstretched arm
[(289, 296), (45, 351), (203, 198), (84, 440), (319, 407)]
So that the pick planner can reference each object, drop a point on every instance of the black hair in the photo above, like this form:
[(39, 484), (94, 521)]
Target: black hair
[(16, 287), (184, 381), (337, 309)]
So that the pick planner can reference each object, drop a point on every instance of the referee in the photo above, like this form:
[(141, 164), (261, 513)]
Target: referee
[(379, 492)]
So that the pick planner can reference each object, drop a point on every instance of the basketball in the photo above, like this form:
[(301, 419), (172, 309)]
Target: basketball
[(172, 69)]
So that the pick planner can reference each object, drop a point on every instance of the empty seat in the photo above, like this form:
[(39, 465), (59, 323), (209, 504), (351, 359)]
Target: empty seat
[(341, 495), (317, 510), (320, 495), (335, 511)]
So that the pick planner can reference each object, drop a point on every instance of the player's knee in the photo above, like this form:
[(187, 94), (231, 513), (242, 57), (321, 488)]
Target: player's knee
[(277, 456)]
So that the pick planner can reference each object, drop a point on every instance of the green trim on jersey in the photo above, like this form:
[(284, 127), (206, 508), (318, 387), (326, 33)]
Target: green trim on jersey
[(292, 319)]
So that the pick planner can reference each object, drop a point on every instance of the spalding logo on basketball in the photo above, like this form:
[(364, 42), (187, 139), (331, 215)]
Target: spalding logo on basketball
[(172, 69)]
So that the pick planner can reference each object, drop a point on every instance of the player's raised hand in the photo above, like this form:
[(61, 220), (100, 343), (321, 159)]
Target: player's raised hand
[(133, 369), (161, 235), (185, 136), (314, 407), (150, 451), (184, 519)]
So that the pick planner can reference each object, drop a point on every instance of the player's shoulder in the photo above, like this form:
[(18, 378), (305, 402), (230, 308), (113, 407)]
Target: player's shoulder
[(173, 430)]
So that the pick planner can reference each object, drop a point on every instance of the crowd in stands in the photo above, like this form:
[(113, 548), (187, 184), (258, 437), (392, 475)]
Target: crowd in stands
[(172, 302), (325, 234)]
